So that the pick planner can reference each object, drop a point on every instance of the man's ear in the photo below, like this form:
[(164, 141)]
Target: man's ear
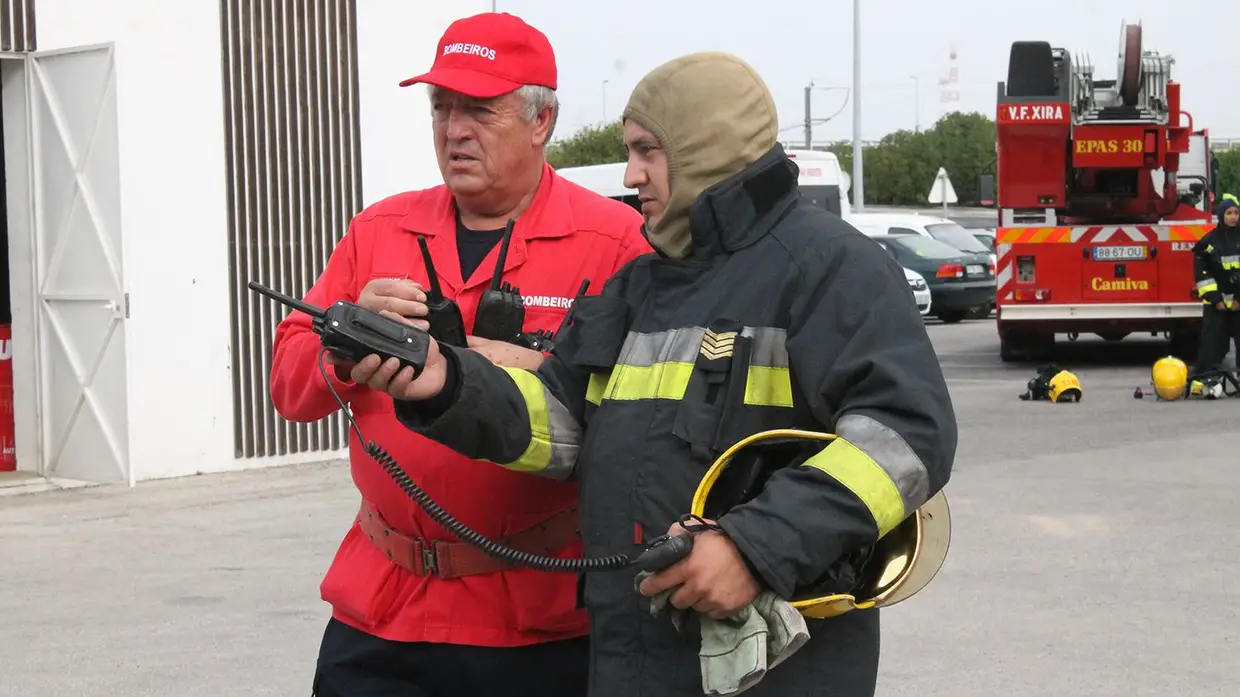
[(542, 126)]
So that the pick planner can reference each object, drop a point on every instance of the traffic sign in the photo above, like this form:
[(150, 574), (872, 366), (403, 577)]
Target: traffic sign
[(942, 191)]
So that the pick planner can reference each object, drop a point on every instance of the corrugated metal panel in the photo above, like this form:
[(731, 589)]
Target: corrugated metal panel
[(17, 33), (290, 94)]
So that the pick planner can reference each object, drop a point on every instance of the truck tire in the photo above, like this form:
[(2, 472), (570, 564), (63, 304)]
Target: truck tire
[(952, 316)]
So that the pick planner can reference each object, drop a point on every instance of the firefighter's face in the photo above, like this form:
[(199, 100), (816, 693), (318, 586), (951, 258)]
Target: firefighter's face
[(484, 146), (646, 171), (1231, 217)]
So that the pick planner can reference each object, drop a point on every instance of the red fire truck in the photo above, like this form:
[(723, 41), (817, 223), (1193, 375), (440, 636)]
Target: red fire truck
[(1103, 187)]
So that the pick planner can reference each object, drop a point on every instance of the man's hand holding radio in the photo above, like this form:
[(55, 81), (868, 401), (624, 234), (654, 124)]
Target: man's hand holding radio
[(400, 384), (400, 296)]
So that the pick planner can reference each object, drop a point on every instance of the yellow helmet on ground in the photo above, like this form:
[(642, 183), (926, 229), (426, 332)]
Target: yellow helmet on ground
[(1064, 387), (899, 565), (1170, 378)]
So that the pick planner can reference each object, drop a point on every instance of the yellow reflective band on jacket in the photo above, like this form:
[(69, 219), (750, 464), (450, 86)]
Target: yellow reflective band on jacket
[(555, 438), (658, 365), (1230, 262), (1206, 285), (878, 467)]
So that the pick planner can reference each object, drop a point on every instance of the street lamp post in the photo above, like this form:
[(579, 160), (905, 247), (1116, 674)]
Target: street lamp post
[(604, 102), (858, 181), (916, 104)]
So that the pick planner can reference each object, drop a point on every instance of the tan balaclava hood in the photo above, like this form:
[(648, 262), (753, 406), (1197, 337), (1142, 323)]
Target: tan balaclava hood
[(714, 117)]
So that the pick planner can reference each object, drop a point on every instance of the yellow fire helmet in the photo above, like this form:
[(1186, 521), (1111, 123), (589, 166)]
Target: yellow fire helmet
[(900, 564), (1064, 387), (1170, 378)]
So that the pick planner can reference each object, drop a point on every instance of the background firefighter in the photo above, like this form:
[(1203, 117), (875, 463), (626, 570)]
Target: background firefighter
[(1217, 268)]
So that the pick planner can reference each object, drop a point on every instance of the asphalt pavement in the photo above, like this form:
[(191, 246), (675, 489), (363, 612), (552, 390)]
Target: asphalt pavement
[(1090, 556)]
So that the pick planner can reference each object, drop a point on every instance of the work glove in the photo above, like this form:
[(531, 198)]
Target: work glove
[(738, 651)]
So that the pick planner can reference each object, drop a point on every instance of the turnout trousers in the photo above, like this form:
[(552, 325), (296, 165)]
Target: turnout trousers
[(355, 664), (1220, 329)]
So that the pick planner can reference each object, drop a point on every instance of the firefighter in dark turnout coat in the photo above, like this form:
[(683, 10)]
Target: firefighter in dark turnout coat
[(636, 400), (1216, 265)]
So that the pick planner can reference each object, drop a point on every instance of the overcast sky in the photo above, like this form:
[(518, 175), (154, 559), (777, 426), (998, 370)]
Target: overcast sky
[(906, 47)]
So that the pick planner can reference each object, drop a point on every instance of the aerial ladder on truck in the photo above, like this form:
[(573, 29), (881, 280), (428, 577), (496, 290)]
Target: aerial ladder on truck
[(1103, 186)]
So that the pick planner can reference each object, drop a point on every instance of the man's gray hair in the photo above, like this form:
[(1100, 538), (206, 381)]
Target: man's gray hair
[(536, 98)]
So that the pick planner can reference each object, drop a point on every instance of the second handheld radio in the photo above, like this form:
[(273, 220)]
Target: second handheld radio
[(444, 315)]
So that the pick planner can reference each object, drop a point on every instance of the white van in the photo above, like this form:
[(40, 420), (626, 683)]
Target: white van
[(821, 180)]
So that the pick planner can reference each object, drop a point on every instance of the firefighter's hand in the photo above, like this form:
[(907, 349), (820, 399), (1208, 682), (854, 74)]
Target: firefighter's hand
[(388, 376), (1220, 305), (403, 297), (506, 354), (713, 579)]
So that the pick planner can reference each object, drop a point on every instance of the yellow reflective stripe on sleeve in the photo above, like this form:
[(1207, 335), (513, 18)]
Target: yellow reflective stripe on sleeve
[(554, 434), (877, 465), (848, 465)]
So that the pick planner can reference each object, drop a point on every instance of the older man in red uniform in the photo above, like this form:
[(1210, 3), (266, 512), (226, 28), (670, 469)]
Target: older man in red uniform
[(415, 612)]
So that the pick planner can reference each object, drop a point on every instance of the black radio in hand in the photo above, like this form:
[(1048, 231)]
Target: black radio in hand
[(444, 315), (353, 332), (501, 312)]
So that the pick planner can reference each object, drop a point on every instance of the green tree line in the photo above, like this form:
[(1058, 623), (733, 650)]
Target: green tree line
[(899, 170)]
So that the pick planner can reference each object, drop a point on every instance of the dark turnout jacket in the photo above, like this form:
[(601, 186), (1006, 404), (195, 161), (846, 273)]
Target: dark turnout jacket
[(1216, 261), (828, 338)]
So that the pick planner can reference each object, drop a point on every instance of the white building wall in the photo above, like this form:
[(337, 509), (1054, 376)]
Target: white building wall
[(174, 221), (397, 39), (174, 205)]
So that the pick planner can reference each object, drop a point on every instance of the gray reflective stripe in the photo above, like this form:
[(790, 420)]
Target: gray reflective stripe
[(642, 350), (770, 349), (565, 437), (671, 346), (1206, 282), (886, 448), (1230, 261)]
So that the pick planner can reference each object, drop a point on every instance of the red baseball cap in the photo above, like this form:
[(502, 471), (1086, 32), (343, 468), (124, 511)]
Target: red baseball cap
[(488, 55)]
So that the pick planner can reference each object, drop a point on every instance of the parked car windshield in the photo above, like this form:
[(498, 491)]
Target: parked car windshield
[(958, 237), (924, 247)]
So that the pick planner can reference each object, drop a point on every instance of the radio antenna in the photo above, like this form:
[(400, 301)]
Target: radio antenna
[(435, 292), (503, 254), (315, 312)]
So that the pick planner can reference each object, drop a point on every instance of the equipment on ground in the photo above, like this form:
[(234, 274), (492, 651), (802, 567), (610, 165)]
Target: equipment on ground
[(1173, 381), (1103, 187), (1053, 384), (893, 569), (1170, 378)]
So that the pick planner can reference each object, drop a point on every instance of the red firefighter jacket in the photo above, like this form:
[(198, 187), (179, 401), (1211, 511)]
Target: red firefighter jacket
[(567, 235)]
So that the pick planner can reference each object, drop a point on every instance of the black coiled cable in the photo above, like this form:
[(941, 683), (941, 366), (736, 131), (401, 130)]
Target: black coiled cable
[(460, 530)]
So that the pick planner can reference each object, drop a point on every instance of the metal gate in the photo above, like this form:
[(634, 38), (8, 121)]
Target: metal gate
[(291, 120), (80, 298)]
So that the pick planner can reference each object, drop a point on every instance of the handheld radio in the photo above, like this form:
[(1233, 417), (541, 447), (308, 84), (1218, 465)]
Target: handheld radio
[(353, 332), (501, 312), (444, 315)]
